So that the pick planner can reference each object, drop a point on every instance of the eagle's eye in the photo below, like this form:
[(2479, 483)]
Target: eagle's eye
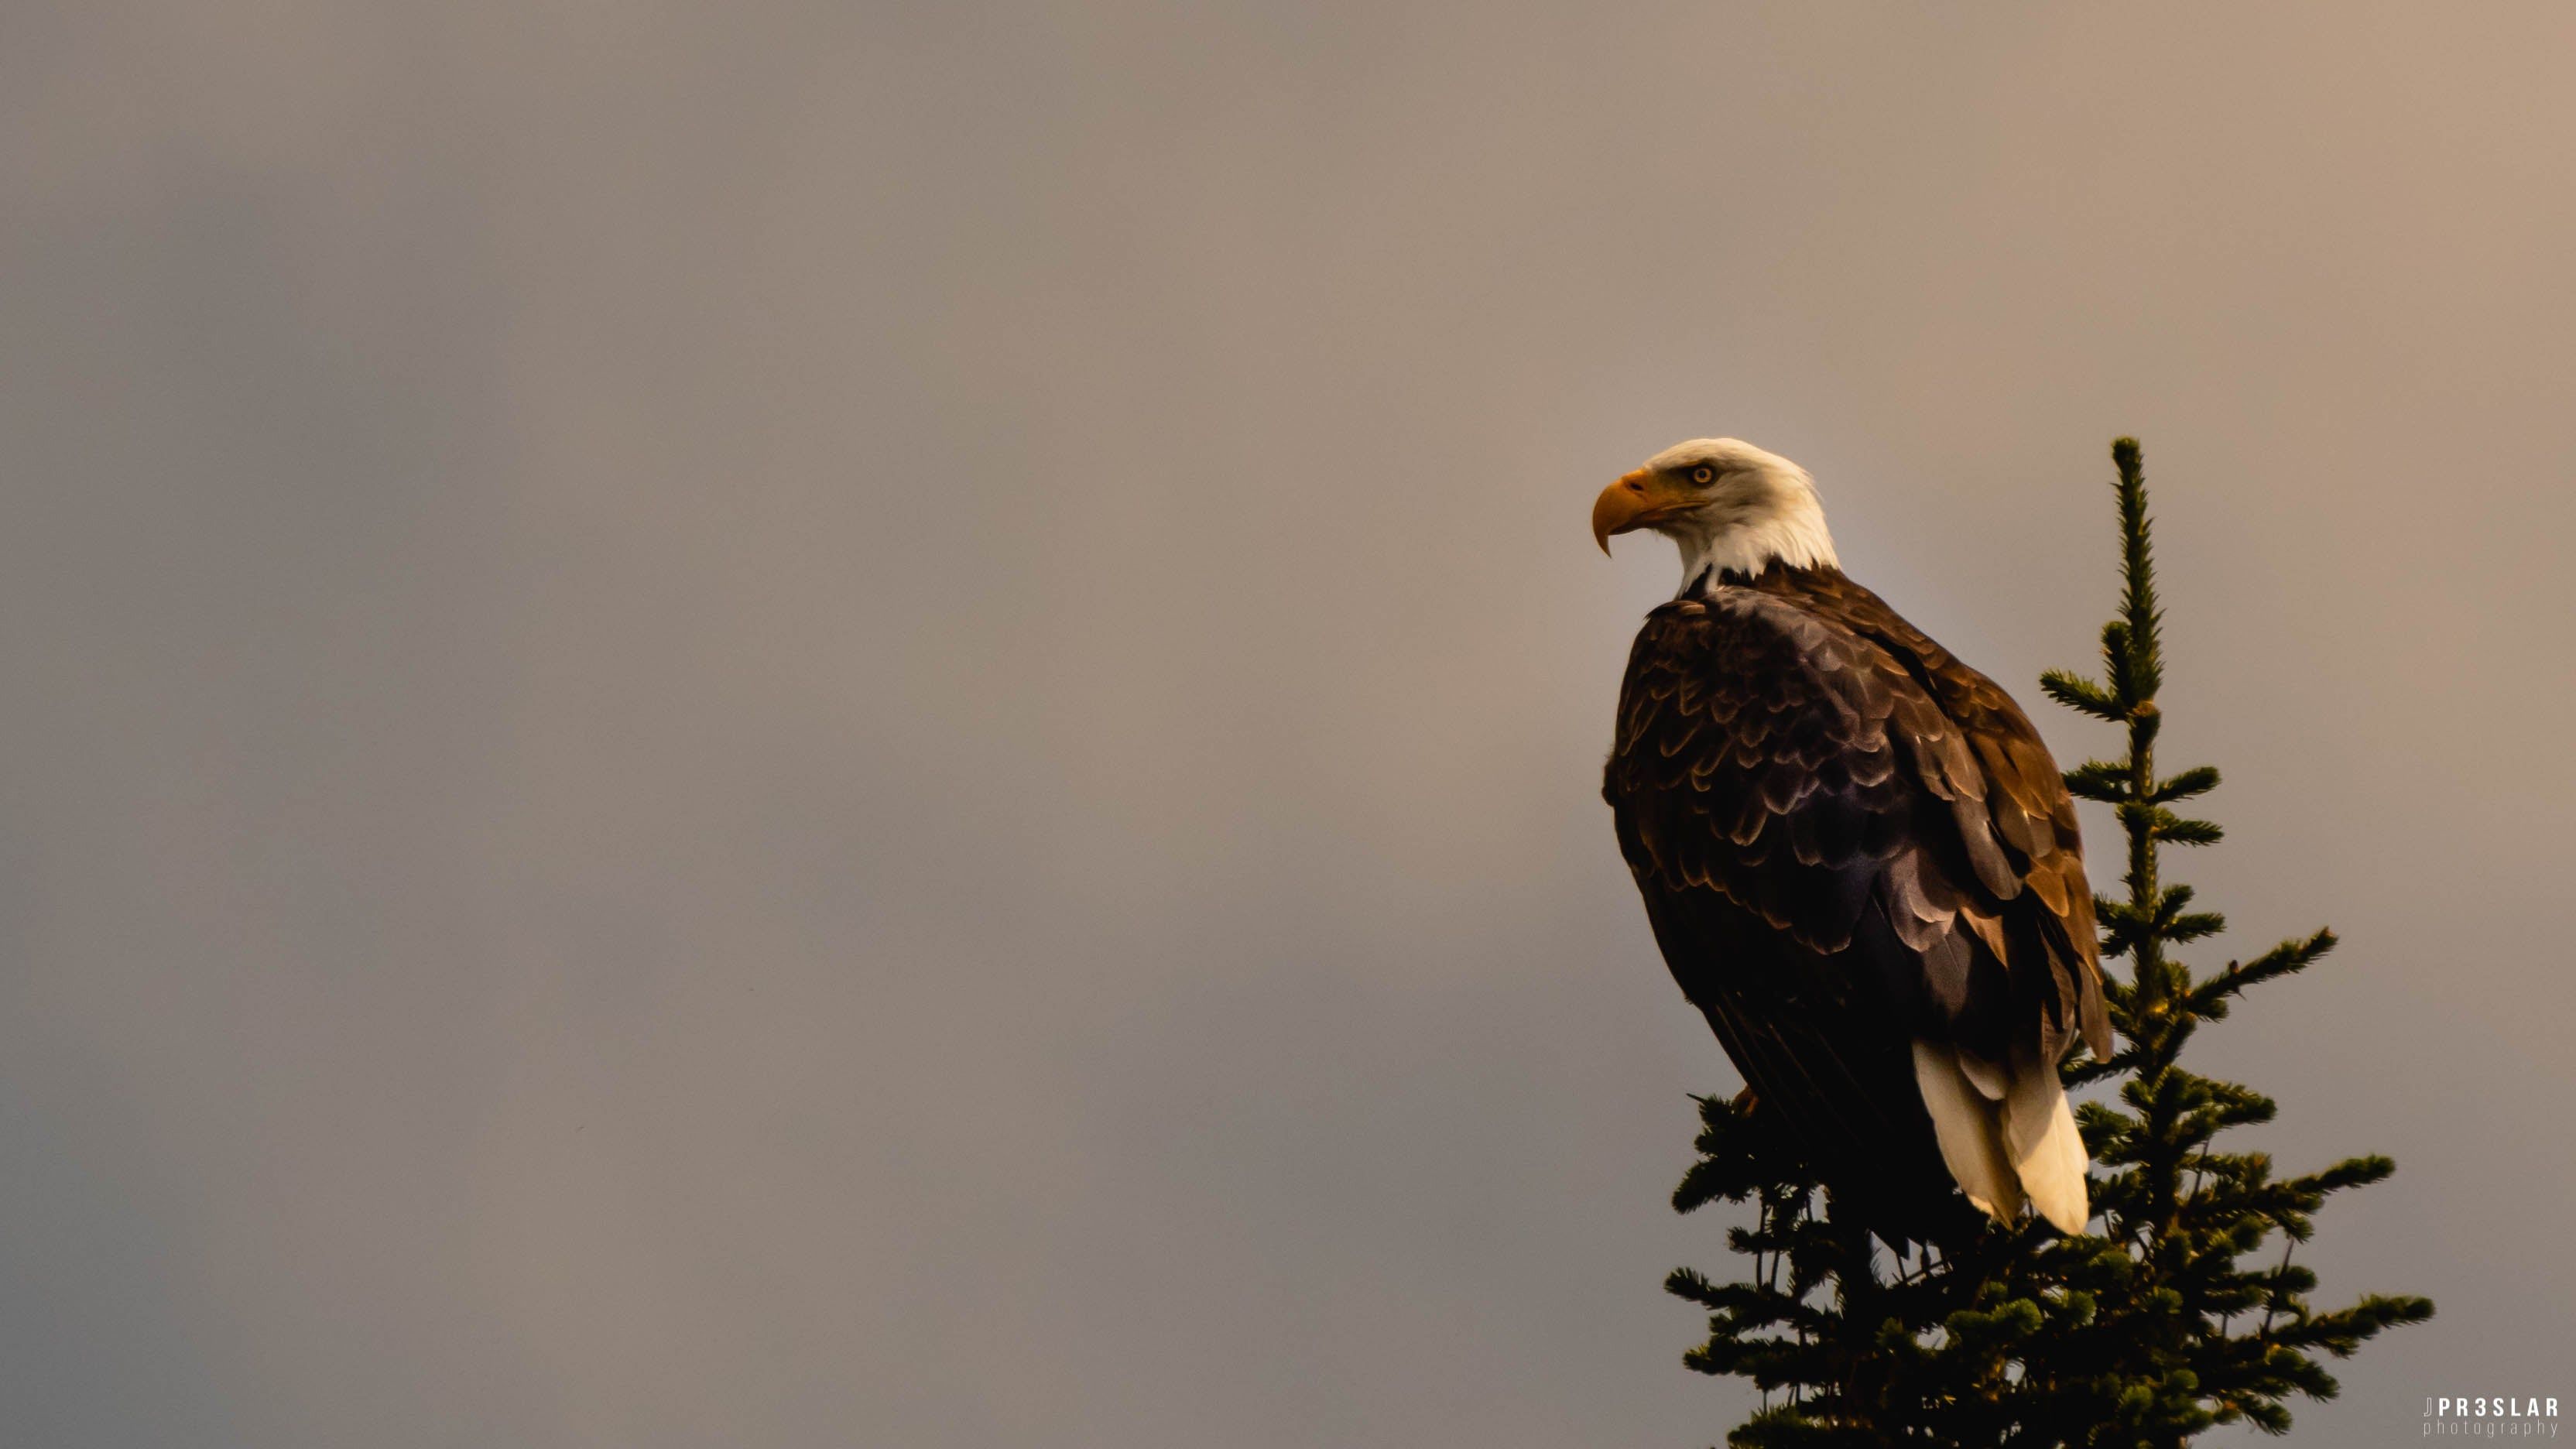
[(1702, 473)]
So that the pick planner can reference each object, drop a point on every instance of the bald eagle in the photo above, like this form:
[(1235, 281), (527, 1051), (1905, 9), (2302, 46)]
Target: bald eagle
[(1859, 860)]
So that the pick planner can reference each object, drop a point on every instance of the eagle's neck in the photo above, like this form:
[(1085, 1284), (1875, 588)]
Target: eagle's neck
[(1784, 525)]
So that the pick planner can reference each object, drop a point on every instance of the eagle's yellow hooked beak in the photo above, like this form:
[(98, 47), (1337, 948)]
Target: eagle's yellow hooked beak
[(1637, 500)]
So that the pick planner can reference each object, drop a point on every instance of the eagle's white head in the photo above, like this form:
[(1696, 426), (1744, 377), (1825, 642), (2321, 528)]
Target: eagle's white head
[(1731, 507)]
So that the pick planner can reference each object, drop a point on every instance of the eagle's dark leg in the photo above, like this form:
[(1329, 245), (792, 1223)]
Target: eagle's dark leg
[(1862, 1369)]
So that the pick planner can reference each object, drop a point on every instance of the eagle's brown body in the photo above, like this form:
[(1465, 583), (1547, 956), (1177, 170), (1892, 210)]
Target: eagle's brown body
[(1849, 842)]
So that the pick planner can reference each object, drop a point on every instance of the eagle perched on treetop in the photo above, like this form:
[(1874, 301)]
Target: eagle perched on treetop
[(1857, 856)]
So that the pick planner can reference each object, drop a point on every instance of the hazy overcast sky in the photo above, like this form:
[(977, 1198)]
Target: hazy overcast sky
[(823, 724)]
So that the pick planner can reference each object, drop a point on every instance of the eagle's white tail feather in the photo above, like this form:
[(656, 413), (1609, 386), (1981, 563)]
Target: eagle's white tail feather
[(1970, 1131), (2047, 1153), (1987, 1077)]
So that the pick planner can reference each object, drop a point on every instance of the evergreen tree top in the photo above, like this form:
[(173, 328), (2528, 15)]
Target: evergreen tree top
[(2182, 1310)]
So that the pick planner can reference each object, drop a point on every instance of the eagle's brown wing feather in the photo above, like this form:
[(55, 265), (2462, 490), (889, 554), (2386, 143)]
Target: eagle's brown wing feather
[(2025, 801), (1847, 840)]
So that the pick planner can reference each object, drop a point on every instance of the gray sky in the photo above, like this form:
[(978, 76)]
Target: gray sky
[(807, 724)]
